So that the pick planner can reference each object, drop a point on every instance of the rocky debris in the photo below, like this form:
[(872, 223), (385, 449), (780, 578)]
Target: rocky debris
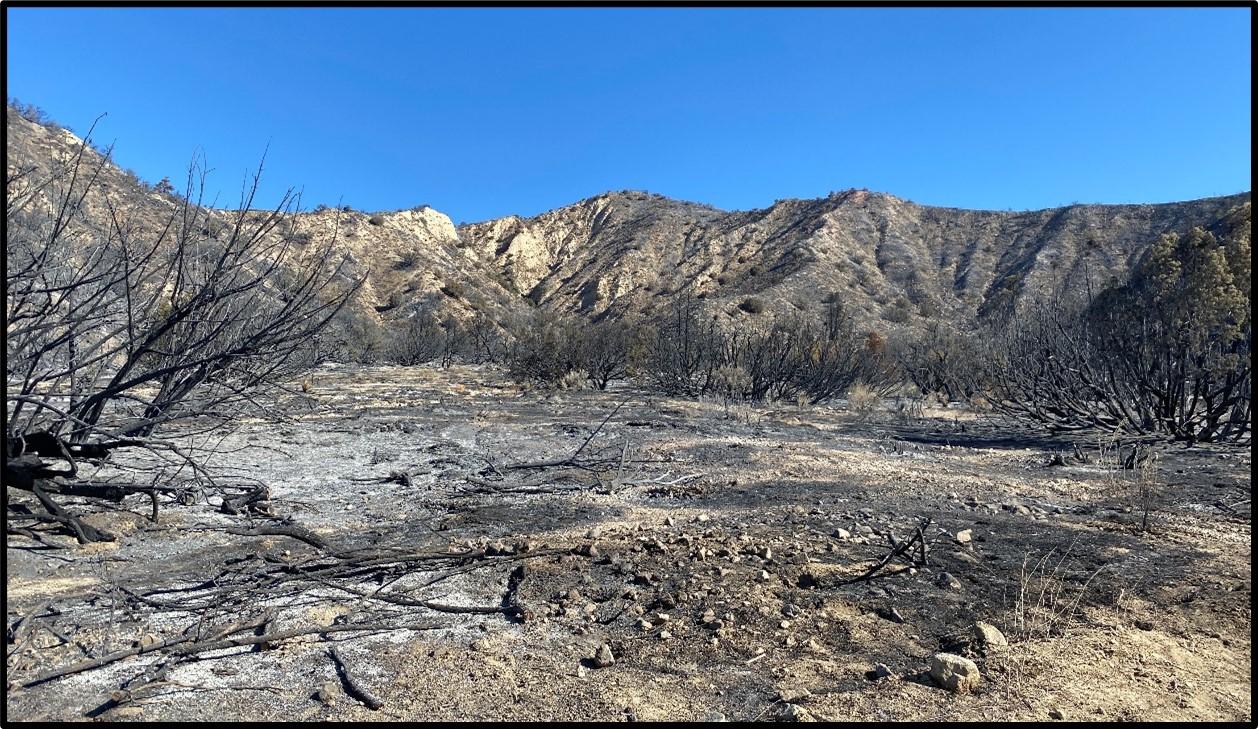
[(986, 637), (879, 672), (947, 581), (842, 534), (795, 712), (954, 673), (964, 536), (603, 657)]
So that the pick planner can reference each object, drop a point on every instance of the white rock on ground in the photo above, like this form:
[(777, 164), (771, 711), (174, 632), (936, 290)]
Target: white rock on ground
[(987, 636), (955, 673)]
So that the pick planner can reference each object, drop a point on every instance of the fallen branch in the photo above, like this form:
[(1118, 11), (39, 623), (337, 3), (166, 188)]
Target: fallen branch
[(897, 549), (352, 687)]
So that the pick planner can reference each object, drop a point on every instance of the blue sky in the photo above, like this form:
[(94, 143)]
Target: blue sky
[(485, 112)]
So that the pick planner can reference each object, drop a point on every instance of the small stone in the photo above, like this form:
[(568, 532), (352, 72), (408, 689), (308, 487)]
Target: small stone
[(326, 693), (880, 671), (715, 716), (987, 637), (604, 657), (890, 614), (1056, 714), (793, 694), (954, 673), (964, 536), (763, 576), (795, 712), (665, 635), (947, 581), (670, 521), (701, 518), (842, 534)]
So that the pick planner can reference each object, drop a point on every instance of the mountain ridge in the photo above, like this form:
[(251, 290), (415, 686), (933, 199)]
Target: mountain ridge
[(629, 253)]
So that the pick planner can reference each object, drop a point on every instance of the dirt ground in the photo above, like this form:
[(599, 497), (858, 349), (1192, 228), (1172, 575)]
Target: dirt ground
[(713, 553)]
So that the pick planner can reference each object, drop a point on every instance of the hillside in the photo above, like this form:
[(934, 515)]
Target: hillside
[(889, 258), (631, 252)]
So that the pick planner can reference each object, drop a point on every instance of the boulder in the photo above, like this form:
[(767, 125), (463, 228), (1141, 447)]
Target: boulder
[(954, 673)]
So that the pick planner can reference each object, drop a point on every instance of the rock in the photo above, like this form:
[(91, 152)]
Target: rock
[(964, 536), (890, 614), (879, 672), (603, 657), (1056, 714), (947, 581), (954, 673), (715, 716), (986, 636), (793, 694), (763, 576), (842, 534), (326, 693), (795, 712)]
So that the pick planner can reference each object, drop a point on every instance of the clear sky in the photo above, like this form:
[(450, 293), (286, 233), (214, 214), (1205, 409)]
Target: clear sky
[(488, 112)]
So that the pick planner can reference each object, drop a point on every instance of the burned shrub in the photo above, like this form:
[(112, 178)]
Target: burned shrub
[(1168, 352)]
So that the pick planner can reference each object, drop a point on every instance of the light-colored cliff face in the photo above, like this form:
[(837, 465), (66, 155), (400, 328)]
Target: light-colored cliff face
[(890, 261)]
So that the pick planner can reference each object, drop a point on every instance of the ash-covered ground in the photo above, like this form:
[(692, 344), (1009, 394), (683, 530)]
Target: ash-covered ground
[(692, 562)]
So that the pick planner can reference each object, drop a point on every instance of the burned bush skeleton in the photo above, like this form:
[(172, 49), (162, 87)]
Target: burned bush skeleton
[(119, 327)]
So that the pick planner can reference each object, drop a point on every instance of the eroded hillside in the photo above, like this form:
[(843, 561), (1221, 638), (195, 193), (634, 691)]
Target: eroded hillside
[(890, 260)]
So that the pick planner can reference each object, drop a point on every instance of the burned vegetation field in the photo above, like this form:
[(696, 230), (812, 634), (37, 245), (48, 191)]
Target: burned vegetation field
[(245, 481), (438, 543)]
